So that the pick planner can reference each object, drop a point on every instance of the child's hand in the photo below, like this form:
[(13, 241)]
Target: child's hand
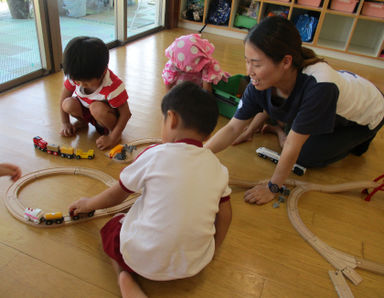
[(106, 141), (7, 169), (68, 130), (80, 206)]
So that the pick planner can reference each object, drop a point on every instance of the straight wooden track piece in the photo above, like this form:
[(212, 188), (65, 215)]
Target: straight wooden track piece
[(340, 284)]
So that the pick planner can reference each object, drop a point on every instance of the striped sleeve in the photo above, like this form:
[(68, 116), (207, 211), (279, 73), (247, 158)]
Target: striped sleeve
[(69, 85), (116, 94)]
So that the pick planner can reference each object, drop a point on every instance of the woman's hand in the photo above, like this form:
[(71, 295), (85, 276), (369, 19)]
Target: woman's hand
[(259, 195)]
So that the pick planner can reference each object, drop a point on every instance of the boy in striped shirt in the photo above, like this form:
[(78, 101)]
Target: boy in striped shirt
[(92, 93)]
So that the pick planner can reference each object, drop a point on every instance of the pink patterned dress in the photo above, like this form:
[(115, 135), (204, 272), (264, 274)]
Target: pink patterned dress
[(190, 59)]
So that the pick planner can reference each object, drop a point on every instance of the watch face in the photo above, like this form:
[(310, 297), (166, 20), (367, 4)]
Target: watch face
[(273, 187)]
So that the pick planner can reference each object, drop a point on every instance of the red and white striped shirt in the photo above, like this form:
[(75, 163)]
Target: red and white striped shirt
[(111, 89)]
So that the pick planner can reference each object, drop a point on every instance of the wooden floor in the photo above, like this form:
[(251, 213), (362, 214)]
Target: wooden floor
[(262, 256)]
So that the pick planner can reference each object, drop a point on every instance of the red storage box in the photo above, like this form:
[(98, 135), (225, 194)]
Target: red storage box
[(344, 5), (315, 3), (373, 9)]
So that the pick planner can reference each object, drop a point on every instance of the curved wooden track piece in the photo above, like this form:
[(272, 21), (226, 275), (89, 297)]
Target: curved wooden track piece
[(16, 208), (342, 261), (137, 142)]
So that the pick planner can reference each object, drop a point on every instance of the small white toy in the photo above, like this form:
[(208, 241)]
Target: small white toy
[(274, 156), (34, 215)]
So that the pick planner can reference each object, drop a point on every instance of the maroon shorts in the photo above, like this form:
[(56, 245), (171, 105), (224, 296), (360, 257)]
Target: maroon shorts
[(110, 237), (87, 116)]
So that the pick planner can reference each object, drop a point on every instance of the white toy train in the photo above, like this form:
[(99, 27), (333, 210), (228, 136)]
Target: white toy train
[(274, 156)]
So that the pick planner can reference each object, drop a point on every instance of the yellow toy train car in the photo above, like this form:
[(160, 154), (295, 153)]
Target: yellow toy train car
[(66, 152)]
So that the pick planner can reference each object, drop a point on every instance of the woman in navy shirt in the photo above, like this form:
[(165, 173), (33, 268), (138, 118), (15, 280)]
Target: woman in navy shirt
[(328, 113)]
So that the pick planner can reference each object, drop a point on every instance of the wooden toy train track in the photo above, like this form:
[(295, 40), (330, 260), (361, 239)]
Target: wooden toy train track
[(343, 263), (17, 209)]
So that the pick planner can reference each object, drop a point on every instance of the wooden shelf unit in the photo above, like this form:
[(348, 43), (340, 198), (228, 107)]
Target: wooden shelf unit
[(343, 32)]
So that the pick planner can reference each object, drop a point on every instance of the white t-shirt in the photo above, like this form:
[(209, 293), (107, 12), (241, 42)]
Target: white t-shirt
[(169, 232), (359, 100)]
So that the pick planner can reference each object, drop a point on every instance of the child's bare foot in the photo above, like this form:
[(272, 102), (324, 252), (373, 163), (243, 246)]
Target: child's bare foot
[(129, 287), (277, 130)]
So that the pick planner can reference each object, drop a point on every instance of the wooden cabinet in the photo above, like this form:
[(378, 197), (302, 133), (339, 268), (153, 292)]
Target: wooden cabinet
[(340, 31)]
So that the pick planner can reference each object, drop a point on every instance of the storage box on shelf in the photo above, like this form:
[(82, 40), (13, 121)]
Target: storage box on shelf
[(346, 26), (244, 22), (314, 3), (373, 9), (344, 5), (228, 94)]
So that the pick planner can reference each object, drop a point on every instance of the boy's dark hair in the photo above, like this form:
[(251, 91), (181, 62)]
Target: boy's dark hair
[(197, 108), (85, 58)]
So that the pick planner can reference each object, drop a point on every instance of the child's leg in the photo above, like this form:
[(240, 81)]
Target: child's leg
[(110, 236), (129, 287), (73, 107), (277, 130), (103, 114)]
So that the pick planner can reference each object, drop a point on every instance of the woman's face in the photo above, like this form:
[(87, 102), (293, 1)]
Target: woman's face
[(263, 71)]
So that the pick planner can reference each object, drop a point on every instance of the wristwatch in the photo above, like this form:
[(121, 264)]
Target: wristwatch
[(274, 188)]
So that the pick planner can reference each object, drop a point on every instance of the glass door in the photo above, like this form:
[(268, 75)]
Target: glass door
[(143, 15), (34, 33), (19, 47), (94, 18)]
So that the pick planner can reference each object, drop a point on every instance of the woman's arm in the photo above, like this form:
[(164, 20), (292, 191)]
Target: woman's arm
[(288, 157), (261, 194), (226, 135), (255, 126)]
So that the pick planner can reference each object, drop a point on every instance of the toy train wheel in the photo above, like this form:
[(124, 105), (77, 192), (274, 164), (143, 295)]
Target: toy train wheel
[(77, 156), (59, 221), (298, 171), (48, 222), (90, 214), (75, 217)]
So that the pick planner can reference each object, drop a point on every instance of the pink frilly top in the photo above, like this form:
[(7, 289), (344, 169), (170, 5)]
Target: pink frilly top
[(190, 59)]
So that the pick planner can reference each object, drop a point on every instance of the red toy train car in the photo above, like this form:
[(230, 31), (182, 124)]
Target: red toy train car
[(66, 152)]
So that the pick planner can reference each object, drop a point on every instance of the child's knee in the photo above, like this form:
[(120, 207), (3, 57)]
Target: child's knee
[(70, 105), (98, 110), (103, 114)]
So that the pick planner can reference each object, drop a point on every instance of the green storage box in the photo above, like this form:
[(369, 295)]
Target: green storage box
[(244, 22), (228, 94)]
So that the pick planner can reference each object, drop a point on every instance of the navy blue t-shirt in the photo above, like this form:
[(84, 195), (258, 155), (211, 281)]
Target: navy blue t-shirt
[(309, 109)]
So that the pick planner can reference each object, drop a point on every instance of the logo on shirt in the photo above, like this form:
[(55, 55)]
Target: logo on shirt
[(240, 104)]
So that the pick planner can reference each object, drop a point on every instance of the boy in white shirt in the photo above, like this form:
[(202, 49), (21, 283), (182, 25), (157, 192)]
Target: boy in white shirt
[(184, 211)]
